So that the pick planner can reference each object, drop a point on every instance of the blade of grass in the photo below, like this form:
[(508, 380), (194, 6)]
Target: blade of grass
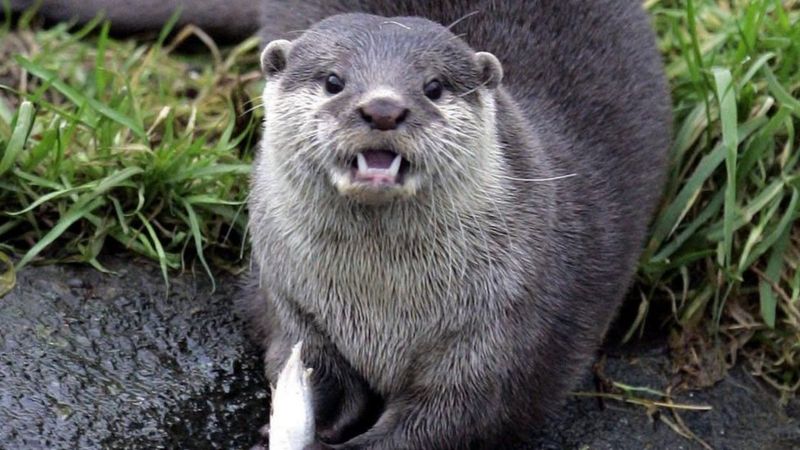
[(162, 256), (768, 300), (789, 217), (79, 98), (728, 115), (672, 216), (77, 212), (194, 226), (22, 128)]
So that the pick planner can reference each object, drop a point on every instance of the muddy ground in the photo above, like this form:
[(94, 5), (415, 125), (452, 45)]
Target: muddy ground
[(91, 360)]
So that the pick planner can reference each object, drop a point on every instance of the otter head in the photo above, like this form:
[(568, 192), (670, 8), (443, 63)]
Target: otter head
[(375, 110)]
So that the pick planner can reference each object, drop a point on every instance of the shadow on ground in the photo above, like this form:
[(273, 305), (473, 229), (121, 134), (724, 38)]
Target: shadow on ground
[(89, 360)]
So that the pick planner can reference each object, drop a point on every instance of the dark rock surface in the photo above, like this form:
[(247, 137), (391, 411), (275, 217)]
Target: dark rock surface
[(89, 360)]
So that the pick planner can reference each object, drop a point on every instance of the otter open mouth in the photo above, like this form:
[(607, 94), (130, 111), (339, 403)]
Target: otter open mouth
[(379, 168), (376, 176)]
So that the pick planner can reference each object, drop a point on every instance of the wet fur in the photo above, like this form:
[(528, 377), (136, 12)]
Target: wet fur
[(458, 319)]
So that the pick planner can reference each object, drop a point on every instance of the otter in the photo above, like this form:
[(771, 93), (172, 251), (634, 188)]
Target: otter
[(448, 205)]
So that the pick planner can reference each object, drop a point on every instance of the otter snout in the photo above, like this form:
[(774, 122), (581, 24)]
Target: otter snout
[(383, 114)]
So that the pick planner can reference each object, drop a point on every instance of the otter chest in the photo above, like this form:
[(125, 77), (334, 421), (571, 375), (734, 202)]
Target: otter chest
[(383, 308)]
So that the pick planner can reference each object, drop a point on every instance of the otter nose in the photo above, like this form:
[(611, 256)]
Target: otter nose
[(383, 114)]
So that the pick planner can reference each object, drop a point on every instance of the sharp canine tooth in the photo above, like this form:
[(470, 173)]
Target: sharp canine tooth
[(362, 163), (394, 169)]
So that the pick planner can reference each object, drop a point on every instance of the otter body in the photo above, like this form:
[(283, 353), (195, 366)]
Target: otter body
[(457, 315), (449, 217)]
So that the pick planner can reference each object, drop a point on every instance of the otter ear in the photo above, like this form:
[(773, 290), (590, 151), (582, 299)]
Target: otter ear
[(274, 56), (490, 69)]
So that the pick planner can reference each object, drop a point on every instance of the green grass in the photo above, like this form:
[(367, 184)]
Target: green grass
[(725, 246), (110, 145), (120, 142)]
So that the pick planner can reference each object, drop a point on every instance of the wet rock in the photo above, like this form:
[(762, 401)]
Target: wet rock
[(76, 283), (91, 360)]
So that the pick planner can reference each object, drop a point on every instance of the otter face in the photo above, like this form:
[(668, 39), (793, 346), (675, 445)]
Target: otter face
[(378, 109)]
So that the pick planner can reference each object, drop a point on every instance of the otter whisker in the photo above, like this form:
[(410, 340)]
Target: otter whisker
[(449, 249), (251, 109), (541, 180), (462, 18), (458, 36), (443, 226), (473, 90), (392, 22), (535, 180)]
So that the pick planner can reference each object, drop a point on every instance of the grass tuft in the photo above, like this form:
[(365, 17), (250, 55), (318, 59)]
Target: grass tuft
[(725, 247), (113, 145)]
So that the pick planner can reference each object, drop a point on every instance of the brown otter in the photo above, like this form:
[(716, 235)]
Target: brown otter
[(450, 237)]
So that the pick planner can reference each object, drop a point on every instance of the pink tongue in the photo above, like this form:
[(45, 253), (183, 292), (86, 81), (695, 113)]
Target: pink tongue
[(379, 159)]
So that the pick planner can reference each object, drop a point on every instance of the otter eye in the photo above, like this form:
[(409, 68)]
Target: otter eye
[(334, 84), (433, 89)]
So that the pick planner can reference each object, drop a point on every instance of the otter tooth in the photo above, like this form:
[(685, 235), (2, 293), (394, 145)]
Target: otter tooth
[(394, 169), (363, 167)]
